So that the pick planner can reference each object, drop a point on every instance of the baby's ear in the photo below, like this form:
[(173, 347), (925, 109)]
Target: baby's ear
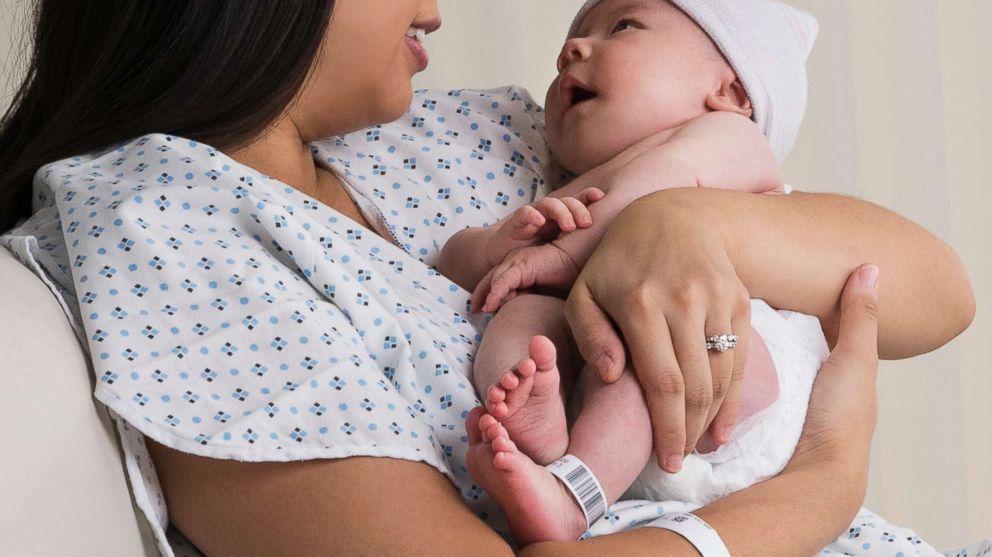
[(730, 97)]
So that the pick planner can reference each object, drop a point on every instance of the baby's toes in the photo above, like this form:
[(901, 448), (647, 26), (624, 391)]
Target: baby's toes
[(506, 457), (526, 367), (496, 402), (499, 410), (543, 352), (488, 425), (472, 425), (509, 381), (495, 394)]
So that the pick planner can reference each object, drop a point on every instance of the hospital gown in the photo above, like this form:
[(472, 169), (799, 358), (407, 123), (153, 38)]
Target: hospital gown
[(230, 316)]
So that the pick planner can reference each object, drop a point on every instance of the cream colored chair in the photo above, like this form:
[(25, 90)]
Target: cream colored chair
[(63, 488)]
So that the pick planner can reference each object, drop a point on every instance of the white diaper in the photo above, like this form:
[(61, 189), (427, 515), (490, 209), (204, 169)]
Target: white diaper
[(761, 445)]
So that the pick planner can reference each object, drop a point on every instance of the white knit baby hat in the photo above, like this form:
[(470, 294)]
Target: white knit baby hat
[(767, 43)]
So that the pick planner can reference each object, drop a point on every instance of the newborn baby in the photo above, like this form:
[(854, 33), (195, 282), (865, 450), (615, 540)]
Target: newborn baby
[(650, 95)]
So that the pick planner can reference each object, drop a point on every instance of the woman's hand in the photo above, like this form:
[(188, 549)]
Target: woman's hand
[(666, 289), (843, 406)]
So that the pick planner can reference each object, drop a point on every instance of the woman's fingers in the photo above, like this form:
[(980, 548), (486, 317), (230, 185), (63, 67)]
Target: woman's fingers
[(690, 352), (654, 362), (721, 370), (594, 334), (726, 415)]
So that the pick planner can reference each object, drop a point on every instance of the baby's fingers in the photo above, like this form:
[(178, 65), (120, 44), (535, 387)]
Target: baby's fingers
[(589, 196), (554, 208), (506, 279), (525, 223), (580, 213), (481, 291)]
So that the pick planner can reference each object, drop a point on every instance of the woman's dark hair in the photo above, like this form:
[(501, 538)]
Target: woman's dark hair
[(102, 72)]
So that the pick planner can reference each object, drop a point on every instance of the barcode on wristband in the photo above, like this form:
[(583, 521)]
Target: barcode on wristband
[(587, 491)]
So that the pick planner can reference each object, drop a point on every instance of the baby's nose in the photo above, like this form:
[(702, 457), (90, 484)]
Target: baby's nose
[(574, 49)]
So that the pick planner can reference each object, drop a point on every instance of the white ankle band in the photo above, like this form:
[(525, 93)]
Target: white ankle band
[(583, 484)]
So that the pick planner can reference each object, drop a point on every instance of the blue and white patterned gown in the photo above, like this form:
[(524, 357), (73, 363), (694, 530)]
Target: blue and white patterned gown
[(230, 316)]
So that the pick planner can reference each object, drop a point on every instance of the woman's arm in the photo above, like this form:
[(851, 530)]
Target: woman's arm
[(380, 506), (681, 264), (796, 513), (794, 251)]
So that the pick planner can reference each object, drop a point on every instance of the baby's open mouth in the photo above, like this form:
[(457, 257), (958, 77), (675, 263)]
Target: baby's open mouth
[(574, 92), (579, 94)]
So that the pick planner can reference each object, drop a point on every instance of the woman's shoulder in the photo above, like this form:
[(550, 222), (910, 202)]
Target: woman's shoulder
[(154, 159)]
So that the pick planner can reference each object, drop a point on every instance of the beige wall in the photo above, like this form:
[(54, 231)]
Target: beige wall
[(897, 116), (12, 23)]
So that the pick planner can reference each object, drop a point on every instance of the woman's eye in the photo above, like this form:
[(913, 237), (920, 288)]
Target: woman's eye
[(622, 25)]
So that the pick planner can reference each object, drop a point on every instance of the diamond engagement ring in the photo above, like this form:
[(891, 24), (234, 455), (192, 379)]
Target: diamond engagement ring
[(721, 343)]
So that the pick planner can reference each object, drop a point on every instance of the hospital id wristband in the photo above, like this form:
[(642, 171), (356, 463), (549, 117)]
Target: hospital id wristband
[(586, 489), (695, 531)]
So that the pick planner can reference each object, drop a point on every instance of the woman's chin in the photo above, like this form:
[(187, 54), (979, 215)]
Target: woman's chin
[(397, 104)]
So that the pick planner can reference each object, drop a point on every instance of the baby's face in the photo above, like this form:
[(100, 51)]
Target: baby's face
[(634, 68)]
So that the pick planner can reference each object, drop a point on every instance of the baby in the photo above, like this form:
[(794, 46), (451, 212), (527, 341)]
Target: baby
[(651, 94)]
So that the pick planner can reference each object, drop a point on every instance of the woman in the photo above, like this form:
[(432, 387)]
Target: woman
[(260, 83)]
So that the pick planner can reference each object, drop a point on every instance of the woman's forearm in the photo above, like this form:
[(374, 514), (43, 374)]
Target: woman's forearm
[(796, 251), (798, 512)]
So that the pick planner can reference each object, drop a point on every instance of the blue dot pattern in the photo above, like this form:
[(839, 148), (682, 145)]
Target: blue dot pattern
[(231, 316), (458, 159)]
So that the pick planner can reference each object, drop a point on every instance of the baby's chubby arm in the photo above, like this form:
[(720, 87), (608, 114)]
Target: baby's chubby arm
[(472, 252), (719, 150)]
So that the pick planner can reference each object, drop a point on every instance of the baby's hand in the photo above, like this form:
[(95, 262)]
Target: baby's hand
[(543, 265), (540, 222)]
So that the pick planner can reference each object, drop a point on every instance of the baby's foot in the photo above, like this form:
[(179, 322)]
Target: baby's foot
[(528, 403), (538, 507)]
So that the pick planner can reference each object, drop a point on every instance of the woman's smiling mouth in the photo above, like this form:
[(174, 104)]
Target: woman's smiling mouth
[(414, 41)]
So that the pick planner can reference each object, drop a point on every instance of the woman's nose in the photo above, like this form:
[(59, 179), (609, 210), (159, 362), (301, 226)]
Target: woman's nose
[(574, 49)]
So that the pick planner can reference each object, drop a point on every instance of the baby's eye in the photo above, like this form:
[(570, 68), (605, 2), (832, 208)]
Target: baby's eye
[(623, 25)]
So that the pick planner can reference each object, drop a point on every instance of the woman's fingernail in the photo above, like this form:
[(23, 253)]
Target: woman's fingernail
[(869, 276), (604, 364), (673, 463)]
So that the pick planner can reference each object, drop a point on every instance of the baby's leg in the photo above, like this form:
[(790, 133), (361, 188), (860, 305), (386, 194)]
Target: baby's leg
[(612, 436), (516, 373)]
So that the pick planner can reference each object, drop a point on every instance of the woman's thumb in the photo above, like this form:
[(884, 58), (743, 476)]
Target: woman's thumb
[(858, 334)]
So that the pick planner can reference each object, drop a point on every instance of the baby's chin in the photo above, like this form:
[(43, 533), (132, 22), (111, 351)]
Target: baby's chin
[(577, 161)]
